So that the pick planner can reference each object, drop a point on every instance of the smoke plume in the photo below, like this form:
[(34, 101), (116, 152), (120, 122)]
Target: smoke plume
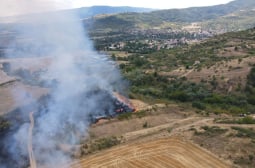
[(78, 79)]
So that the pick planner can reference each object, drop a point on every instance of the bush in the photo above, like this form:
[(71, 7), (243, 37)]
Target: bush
[(244, 132), (4, 124), (180, 96), (140, 114), (215, 99), (125, 116), (169, 130), (211, 131), (105, 143), (122, 66), (199, 105), (246, 120), (145, 125), (251, 99)]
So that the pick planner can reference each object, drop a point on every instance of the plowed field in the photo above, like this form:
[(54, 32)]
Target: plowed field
[(168, 153)]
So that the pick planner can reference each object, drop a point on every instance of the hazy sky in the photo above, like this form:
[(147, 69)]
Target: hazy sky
[(16, 7), (161, 4)]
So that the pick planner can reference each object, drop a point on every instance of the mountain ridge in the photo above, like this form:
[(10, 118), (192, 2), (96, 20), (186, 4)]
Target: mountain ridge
[(84, 12), (173, 16)]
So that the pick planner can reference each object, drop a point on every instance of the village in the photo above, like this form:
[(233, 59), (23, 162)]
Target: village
[(149, 40)]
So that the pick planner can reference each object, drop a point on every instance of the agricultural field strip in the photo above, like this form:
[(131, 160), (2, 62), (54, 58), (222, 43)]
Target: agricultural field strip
[(161, 148)]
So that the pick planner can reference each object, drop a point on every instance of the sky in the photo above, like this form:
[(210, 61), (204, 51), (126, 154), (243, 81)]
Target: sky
[(17, 7), (159, 4)]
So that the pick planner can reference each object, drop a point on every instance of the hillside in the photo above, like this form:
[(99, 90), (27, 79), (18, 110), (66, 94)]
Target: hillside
[(180, 17), (211, 74), (236, 21)]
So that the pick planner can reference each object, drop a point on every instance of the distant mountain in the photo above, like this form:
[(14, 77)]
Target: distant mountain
[(235, 21), (197, 14), (177, 17), (99, 10), (84, 12)]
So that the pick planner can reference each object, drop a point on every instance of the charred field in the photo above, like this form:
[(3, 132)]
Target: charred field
[(108, 107)]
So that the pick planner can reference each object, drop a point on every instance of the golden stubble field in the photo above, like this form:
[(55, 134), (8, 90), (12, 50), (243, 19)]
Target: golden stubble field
[(168, 153)]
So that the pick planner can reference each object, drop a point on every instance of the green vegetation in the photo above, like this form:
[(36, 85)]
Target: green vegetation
[(203, 98), (244, 120), (125, 116), (99, 144), (140, 114), (196, 56), (239, 20), (104, 143), (169, 130), (244, 132), (151, 78), (144, 33), (211, 131), (4, 125), (228, 17), (145, 125), (250, 86), (249, 160)]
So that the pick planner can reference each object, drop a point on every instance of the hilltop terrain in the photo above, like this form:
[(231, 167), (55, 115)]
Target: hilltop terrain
[(241, 11), (192, 87)]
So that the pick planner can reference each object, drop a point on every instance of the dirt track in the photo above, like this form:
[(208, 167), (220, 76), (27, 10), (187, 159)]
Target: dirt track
[(30, 142), (170, 153)]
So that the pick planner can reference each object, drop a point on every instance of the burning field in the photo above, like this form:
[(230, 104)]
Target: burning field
[(107, 106), (79, 88)]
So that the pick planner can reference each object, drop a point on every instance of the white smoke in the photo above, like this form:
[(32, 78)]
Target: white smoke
[(22, 7), (78, 71)]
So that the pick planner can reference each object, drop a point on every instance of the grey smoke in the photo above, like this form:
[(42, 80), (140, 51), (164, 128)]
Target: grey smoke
[(77, 69), (19, 7)]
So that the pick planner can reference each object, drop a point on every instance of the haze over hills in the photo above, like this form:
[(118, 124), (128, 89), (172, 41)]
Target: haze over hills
[(242, 11), (98, 10), (86, 12), (234, 16)]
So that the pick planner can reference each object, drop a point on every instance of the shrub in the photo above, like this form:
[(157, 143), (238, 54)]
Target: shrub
[(125, 116), (140, 114), (211, 131), (246, 120), (180, 96), (105, 143), (244, 132), (199, 105), (145, 125), (4, 124)]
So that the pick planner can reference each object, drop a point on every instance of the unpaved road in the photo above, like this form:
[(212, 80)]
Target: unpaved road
[(30, 142), (163, 153), (143, 132)]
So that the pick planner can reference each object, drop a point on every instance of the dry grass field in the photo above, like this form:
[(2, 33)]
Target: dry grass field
[(168, 153)]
